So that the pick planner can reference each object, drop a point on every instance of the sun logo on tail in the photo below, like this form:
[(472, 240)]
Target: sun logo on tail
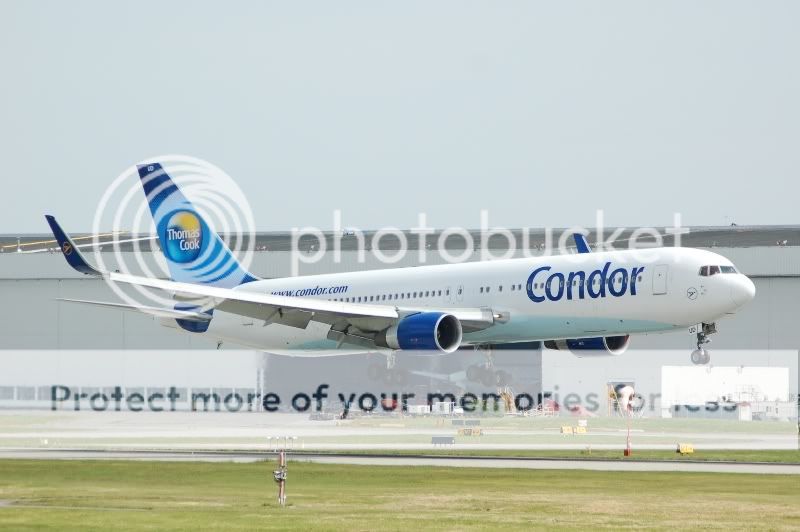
[(184, 237)]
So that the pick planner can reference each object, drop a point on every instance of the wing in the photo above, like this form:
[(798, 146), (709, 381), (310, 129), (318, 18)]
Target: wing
[(352, 323), (153, 311), (297, 312)]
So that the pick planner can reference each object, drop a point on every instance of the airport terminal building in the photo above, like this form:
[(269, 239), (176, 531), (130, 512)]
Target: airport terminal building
[(48, 342)]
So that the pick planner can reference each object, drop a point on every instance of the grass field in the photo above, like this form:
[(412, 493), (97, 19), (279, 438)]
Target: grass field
[(101, 495), (712, 455)]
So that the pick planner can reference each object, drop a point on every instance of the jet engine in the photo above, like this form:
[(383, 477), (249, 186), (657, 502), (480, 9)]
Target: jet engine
[(590, 347), (424, 331)]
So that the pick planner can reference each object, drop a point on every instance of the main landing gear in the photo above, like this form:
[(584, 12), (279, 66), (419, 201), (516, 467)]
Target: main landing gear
[(485, 373), (701, 356), (387, 372)]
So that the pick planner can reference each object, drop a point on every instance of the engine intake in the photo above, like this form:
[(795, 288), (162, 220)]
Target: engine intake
[(425, 330), (587, 347)]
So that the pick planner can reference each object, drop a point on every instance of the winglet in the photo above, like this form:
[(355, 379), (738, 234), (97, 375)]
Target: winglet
[(68, 248), (580, 243)]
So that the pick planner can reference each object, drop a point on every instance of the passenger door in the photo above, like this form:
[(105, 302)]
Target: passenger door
[(660, 279)]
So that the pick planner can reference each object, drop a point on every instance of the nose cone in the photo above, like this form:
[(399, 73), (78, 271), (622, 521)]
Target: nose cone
[(742, 290)]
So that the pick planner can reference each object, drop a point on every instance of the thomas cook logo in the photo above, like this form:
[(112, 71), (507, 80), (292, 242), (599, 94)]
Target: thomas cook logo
[(184, 237)]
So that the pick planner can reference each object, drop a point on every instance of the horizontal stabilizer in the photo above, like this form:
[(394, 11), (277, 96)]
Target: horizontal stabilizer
[(153, 311)]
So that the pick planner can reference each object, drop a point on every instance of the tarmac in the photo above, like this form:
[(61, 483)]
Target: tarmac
[(687, 466)]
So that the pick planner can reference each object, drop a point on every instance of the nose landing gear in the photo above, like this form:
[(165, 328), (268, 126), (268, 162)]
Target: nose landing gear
[(701, 356)]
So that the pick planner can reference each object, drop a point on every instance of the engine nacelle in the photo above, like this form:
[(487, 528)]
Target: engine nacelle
[(425, 330), (592, 347)]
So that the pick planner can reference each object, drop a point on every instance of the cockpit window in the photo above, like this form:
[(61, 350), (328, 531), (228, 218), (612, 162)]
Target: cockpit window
[(707, 271)]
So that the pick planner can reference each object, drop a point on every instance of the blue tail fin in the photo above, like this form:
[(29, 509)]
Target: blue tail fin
[(581, 244), (194, 252)]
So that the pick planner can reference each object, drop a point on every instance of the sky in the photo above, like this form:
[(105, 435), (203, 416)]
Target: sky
[(539, 112)]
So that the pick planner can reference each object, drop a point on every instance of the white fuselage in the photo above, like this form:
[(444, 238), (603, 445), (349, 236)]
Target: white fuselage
[(540, 298)]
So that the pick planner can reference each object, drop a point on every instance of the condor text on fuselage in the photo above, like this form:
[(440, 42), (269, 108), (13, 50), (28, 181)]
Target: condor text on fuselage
[(598, 283)]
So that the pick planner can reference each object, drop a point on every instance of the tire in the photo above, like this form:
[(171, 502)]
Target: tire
[(700, 357)]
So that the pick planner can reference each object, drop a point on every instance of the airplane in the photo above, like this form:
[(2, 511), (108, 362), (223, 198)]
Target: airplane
[(589, 303)]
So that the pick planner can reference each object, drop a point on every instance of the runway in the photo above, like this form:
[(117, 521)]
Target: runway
[(688, 466)]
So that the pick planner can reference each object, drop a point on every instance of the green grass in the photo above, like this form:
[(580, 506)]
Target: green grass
[(711, 455), (100, 495)]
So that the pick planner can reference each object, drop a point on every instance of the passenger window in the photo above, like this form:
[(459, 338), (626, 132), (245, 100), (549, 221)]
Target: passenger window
[(500, 288), (487, 289), (481, 289)]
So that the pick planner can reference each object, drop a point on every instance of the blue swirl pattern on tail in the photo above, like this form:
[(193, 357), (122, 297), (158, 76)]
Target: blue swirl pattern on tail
[(193, 251)]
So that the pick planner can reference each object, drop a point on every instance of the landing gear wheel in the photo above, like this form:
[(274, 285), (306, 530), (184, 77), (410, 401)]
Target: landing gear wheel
[(700, 357)]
